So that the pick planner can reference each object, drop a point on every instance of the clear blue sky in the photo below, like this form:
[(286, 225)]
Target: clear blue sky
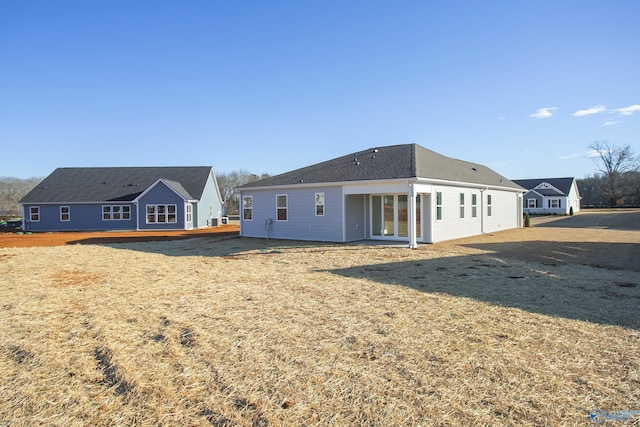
[(269, 86)]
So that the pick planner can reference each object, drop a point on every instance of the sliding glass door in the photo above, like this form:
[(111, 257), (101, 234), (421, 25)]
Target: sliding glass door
[(390, 215)]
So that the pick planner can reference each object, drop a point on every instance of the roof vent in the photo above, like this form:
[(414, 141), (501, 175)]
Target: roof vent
[(375, 150), (474, 169)]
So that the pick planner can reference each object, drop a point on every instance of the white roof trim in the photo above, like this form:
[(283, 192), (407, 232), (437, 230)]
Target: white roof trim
[(384, 182), (159, 181)]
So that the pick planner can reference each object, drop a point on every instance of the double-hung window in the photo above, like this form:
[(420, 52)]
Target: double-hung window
[(189, 211), (116, 212), (438, 205), (531, 203), (281, 207), (474, 206), (247, 208), (319, 204), (488, 204), (34, 213), (64, 213), (461, 205), (161, 214)]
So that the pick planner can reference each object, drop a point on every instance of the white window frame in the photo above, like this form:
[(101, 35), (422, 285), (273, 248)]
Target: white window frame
[(161, 211), (438, 205), (189, 212), (554, 203), (319, 202), (34, 212), (489, 204), (63, 213), (284, 208), (531, 203), (461, 205), (247, 207), (110, 212), (474, 205)]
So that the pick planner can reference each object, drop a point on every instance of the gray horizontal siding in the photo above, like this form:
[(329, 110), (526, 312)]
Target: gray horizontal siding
[(302, 222), (162, 195)]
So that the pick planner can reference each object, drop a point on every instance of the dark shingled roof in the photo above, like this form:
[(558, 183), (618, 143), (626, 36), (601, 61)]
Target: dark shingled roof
[(392, 162), (562, 184), (119, 184)]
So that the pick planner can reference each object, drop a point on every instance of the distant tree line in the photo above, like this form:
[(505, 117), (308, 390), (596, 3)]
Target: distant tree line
[(12, 190), (227, 181), (616, 183)]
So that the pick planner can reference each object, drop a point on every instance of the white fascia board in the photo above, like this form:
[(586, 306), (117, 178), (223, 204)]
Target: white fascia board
[(383, 185), (373, 187), (549, 187), (468, 184), (149, 188)]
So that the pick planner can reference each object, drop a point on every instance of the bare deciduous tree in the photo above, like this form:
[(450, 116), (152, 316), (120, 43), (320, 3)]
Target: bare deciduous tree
[(613, 161), (228, 181), (12, 190)]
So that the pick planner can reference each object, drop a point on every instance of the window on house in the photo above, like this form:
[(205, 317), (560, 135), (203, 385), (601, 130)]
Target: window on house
[(474, 206), (461, 205), (172, 213), (488, 204), (161, 214), (438, 205), (554, 203), (531, 203), (319, 204), (281, 207), (64, 213), (34, 213), (247, 208), (189, 212), (116, 212)]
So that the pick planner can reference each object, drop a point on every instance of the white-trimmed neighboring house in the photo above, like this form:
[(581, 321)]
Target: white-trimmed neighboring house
[(555, 196), (396, 193), (123, 198)]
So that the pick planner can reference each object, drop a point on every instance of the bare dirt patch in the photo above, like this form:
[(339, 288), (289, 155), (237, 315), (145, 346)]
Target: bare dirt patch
[(233, 331), (44, 239)]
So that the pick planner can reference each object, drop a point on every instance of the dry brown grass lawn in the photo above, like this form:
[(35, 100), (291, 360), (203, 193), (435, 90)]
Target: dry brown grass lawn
[(213, 331)]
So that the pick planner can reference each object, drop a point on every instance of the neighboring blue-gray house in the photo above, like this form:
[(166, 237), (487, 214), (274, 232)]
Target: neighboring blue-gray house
[(396, 193), (123, 198), (557, 196)]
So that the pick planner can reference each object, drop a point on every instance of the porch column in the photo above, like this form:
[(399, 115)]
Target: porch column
[(413, 241)]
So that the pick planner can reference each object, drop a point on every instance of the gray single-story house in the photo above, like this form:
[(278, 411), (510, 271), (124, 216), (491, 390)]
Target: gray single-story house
[(557, 196), (123, 198), (396, 193)]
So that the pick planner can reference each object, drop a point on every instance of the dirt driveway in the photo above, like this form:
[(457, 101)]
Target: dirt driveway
[(24, 240)]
